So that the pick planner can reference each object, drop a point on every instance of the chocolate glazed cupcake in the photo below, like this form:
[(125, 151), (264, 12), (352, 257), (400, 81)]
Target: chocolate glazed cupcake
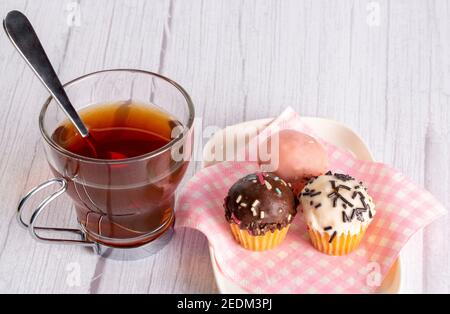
[(260, 208)]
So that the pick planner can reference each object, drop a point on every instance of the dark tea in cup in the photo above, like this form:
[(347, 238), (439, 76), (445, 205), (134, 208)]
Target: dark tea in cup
[(123, 176), (121, 197)]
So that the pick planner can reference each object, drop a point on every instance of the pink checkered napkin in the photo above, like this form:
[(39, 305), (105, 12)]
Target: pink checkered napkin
[(295, 266)]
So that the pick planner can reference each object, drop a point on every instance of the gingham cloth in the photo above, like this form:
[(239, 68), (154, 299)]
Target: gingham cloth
[(295, 266)]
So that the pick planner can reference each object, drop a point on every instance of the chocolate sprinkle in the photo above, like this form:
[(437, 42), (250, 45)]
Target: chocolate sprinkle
[(359, 213), (337, 196), (343, 177), (359, 216), (327, 228), (318, 205), (344, 200), (333, 184), (363, 202), (353, 214), (345, 218), (332, 237), (311, 193)]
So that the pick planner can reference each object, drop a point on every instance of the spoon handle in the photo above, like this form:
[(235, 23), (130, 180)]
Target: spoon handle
[(24, 38)]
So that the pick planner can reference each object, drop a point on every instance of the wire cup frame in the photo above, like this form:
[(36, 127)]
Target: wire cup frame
[(40, 208)]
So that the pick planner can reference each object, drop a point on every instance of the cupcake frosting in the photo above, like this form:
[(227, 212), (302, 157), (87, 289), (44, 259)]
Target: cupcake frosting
[(336, 204), (260, 202)]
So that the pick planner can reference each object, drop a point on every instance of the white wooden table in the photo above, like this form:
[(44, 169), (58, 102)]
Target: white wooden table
[(381, 67)]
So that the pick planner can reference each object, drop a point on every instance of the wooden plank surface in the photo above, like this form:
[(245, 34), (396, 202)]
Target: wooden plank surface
[(381, 67)]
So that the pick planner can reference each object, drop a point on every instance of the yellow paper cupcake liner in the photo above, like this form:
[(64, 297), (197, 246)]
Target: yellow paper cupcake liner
[(342, 243), (258, 243)]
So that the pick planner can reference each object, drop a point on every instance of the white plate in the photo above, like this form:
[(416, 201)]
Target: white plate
[(331, 131)]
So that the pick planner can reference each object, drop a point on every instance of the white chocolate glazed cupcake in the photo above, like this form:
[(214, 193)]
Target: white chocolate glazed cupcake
[(337, 211)]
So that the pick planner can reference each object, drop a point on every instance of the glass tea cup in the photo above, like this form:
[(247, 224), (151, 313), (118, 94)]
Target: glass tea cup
[(120, 203)]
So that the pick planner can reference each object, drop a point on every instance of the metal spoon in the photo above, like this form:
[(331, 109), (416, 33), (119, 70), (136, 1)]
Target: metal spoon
[(24, 38)]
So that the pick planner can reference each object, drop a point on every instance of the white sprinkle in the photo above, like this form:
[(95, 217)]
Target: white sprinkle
[(289, 185), (261, 214), (254, 181), (255, 203), (243, 204), (238, 199), (268, 185), (289, 217), (253, 211), (280, 211)]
